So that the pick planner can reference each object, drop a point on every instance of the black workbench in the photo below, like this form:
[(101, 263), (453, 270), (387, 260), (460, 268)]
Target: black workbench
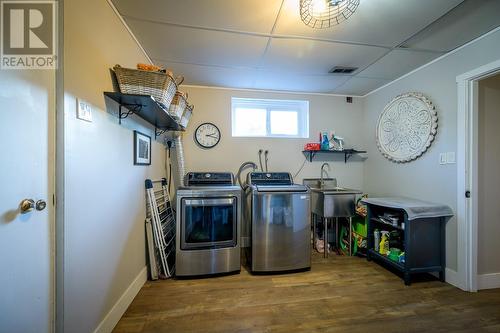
[(424, 234)]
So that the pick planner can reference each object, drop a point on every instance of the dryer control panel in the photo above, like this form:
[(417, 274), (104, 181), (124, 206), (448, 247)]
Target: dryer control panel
[(209, 179)]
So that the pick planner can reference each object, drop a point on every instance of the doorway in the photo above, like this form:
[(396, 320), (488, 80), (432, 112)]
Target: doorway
[(476, 182), (488, 228)]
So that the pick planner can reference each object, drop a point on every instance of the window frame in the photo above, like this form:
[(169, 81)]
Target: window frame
[(301, 107)]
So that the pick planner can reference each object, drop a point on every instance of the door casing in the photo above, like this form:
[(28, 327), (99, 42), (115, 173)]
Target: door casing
[(467, 172)]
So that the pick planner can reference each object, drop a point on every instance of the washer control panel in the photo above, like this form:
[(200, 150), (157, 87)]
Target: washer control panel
[(270, 178)]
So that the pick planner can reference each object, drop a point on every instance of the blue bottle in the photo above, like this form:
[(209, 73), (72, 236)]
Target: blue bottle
[(325, 143)]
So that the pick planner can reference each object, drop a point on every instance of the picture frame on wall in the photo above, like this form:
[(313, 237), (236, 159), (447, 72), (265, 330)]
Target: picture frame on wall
[(142, 149)]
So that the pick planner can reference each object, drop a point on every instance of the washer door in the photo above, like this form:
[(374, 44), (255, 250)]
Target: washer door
[(281, 231)]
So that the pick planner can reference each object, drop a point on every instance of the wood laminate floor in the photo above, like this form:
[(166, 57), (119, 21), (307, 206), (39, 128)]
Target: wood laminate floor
[(339, 294)]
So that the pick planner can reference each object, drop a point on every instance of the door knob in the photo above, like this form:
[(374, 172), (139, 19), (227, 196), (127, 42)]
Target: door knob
[(40, 205), (27, 205)]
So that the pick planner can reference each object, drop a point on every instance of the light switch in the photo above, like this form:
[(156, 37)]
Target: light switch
[(450, 157), (442, 158), (84, 111)]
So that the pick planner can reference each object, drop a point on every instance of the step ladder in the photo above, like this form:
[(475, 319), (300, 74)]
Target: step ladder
[(160, 229)]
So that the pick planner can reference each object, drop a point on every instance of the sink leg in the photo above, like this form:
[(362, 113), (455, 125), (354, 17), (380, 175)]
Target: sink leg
[(337, 238), (313, 218), (325, 238), (350, 236)]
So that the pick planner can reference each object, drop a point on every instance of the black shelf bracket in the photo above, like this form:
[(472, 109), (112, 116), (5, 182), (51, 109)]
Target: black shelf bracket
[(159, 131), (311, 155), (347, 155), (131, 109)]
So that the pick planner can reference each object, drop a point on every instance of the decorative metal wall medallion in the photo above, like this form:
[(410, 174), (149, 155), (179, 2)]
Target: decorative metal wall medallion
[(406, 127)]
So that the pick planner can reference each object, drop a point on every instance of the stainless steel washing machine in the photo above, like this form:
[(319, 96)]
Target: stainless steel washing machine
[(279, 215), (208, 225)]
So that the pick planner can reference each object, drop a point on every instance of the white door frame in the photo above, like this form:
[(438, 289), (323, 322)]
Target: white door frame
[(467, 172)]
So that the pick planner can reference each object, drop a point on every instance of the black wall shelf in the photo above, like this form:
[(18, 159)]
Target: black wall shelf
[(310, 154), (147, 108)]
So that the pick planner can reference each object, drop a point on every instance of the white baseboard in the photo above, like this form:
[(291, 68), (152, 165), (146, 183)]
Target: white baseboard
[(488, 281), (109, 322), (453, 278)]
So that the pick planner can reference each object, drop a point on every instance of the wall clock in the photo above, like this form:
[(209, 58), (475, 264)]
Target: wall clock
[(406, 127), (207, 135)]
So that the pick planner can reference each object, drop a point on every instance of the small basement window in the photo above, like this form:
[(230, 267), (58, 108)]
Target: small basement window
[(270, 118)]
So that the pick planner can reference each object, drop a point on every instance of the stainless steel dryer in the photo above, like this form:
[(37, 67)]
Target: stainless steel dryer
[(279, 214), (208, 224)]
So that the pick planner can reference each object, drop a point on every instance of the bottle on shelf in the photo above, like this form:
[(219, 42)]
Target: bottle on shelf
[(384, 243), (376, 239)]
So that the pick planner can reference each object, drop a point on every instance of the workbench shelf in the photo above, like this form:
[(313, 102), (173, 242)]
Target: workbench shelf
[(310, 154), (374, 254), (146, 107), (385, 224)]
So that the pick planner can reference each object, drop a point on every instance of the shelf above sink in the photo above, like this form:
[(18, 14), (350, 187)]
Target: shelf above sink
[(310, 154)]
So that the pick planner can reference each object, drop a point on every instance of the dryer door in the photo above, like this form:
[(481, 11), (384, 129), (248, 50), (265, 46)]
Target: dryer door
[(208, 222)]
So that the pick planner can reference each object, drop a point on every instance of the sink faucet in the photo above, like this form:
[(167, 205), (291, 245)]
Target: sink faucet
[(322, 182)]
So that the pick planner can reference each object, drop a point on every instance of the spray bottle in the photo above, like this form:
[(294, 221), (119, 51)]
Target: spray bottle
[(384, 243)]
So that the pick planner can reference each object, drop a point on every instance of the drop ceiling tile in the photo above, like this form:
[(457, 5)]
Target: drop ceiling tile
[(468, 21), (244, 15), (314, 57), (379, 22), (297, 82), (212, 76), (397, 63), (359, 86), (172, 43)]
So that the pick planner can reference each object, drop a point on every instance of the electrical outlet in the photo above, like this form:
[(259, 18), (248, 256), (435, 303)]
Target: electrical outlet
[(450, 157), (83, 110), (442, 158)]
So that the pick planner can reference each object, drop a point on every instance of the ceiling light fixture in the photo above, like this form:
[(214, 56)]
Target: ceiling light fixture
[(321, 14)]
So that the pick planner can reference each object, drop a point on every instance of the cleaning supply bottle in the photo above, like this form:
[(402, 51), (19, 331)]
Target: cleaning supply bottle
[(376, 239), (384, 243), (331, 140), (325, 144)]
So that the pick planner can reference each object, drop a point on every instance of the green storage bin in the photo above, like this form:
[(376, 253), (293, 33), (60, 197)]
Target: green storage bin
[(359, 225)]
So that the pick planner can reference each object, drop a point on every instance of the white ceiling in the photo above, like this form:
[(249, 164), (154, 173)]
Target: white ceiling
[(263, 44)]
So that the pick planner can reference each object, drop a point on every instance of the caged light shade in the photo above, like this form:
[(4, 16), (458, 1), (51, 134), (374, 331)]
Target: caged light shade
[(321, 14)]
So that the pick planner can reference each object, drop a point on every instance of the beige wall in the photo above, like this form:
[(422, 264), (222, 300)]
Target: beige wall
[(489, 177), (325, 113), (425, 178), (104, 197)]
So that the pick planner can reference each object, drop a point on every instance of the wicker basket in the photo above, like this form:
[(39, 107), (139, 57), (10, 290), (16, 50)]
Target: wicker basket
[(187, 115), (161, 86), (178, 105)]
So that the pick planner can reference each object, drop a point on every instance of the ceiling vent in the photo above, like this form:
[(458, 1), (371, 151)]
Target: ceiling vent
[(342, 70)]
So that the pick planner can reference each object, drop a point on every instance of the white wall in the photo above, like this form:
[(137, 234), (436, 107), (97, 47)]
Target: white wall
[(489, 178), (326, 112), (104, 197), (425, 178)]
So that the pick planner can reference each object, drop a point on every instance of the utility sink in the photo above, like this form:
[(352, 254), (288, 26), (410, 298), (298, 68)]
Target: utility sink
[(328, 183), (329, 200)]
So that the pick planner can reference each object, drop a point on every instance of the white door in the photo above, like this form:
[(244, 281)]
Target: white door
[(27, 112)]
